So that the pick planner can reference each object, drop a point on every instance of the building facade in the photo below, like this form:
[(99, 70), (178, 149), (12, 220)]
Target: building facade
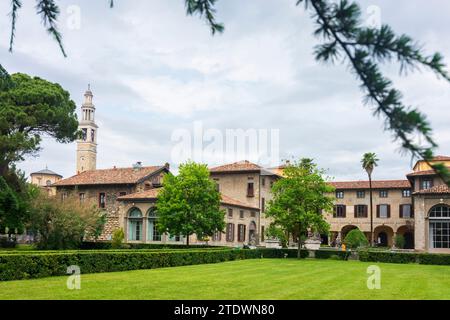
[(104, 187), (417, 208), (250, 184), (392, 209), (431, 199), (139, 216), (45, 180)]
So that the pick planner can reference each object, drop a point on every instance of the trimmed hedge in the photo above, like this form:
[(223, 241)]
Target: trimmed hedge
[(438, 259), (87, 245), (404, 257), (387, 256), (26, 266), (330, 254)]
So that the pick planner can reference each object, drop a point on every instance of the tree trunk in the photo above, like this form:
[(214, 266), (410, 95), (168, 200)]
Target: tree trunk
[(299, 245), (187, 241), (371, 211)]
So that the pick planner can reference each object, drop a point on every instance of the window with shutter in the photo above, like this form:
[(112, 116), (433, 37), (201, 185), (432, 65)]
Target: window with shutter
[(405, 211), (361, 211), (241, 232), (383, 211), (250, 190), (230, 232), (339, 211)]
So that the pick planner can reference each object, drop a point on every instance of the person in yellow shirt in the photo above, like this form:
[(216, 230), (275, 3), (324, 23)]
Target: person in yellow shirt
[(344, 248)]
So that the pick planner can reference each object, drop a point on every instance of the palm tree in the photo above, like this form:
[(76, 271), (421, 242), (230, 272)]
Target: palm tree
[(369, 162)]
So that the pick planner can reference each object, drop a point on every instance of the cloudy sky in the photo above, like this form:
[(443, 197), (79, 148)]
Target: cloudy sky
[(155, 71)]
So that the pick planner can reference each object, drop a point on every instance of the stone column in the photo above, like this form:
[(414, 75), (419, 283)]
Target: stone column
[(393, 240)]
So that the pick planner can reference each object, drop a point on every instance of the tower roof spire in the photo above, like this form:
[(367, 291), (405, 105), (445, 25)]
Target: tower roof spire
[(88, 97)]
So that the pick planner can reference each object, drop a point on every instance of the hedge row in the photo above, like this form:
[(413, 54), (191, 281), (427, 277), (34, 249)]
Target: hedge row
[(331, 254), (107, 245), (38, 252), (27, 266), (404, 257)]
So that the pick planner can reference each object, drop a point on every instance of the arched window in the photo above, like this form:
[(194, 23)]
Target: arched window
[(440, 227), (135, 225), (252, 233), (152, 230), (440, 212)]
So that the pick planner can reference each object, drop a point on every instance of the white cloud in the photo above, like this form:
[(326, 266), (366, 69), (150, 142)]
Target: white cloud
[(153, 69)]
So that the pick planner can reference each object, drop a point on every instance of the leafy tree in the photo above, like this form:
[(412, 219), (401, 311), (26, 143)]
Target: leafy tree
[(369, 162), (190, 203), (299, 199), (356, 239), (278, 233), (11, 208), (30, 108), (344, 40), (64, 224), (399, 241)]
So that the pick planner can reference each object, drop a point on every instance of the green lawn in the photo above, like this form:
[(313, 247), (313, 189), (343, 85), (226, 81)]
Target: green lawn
[(247, 279)]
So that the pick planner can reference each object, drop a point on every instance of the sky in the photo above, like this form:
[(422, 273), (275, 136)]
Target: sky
[(156, 72)]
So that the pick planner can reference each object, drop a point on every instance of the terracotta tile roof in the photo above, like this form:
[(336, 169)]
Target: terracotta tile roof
[(150, 194), (153, 193), (440, 189), (236, 203), (236, 167), (421, 173), (380, 184), (441, 158), (109, 176)]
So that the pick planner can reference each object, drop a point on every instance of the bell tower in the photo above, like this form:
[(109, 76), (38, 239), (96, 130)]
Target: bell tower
[(87, 142)]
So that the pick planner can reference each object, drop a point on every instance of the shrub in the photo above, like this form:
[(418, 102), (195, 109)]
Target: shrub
[(356, 239), (103, 245), (5, 242), (63, 224), (387, 256), (399, 241), (332, 254), (438, 259), (117, 239), (17, 266)]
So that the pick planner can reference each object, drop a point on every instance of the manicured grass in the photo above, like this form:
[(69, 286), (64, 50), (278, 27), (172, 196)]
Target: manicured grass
[(19, 247), (247, 279)]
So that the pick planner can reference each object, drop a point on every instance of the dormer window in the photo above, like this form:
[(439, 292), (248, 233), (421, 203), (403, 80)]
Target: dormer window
[(426, 183)]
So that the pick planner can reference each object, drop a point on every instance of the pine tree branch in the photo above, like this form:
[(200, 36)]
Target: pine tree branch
[(15, 6), (339, 23), (205, 8), (50, 12)]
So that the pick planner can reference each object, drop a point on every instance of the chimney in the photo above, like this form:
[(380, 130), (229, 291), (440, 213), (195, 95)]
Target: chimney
[(137, 166)]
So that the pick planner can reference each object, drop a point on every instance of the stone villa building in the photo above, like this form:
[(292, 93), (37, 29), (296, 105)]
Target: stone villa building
[(45, 179), (417, 207)]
